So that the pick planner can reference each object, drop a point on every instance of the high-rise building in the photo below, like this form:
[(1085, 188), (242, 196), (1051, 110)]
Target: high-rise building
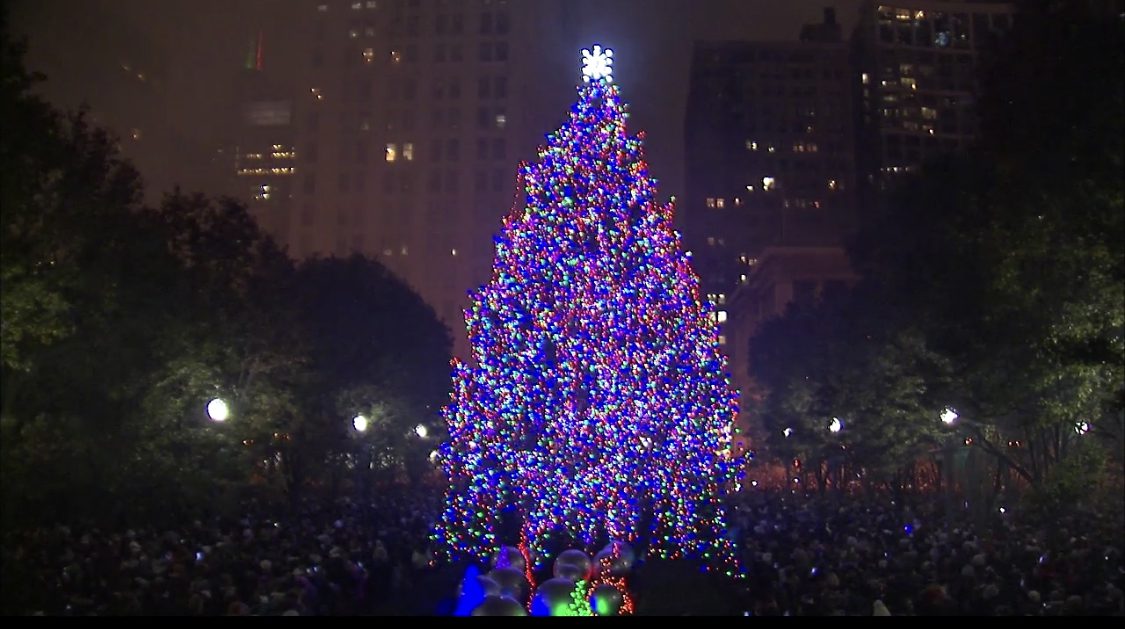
[(410, 119), (263, 156), (917, 62), (769, 139)]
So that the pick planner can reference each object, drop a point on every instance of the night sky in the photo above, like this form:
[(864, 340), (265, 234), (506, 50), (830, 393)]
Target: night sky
[(201, 43)]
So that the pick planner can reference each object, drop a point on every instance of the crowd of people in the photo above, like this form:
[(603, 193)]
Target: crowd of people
[(802, 555), (856, 556), (333, 559)]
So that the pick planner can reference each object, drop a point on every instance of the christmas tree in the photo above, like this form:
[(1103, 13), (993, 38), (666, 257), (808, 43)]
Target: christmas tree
[(596, 399)]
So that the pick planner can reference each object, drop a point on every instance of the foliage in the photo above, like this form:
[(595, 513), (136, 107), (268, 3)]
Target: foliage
[(121, 322)]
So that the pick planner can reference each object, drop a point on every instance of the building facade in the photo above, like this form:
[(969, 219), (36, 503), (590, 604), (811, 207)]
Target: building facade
[(263, 156), (410, 118), (769, 138), (917, 62)]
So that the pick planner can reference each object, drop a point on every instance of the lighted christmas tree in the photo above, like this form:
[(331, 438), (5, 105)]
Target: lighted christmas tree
[(597, 389)]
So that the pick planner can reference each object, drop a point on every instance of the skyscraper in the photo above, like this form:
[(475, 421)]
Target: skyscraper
[(264, 154), (917, 62), (770, 157), (410, 118)]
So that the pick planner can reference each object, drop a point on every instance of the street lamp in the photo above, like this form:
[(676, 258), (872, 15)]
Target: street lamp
[(1082, 428), (949, 415), (835, 425), (421, 431), (217, 410), (787, 432), (359, 422)]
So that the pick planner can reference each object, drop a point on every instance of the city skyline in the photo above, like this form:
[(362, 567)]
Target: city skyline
[(204, 43)]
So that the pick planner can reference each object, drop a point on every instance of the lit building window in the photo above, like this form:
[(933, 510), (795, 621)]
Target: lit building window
[(771, 149), (408, 151), (356, 6), (387, 252), (722, 298), (865, 77), (396, 56), (909, 82), (353, 33), (742, 279), (392, 152), (317, 94), (752, 262), (769, 183), (323, 8), (135, 134), (722, 339), (833, 184), (751, 145), (368, 55), (720, 203), (710, 202), (737, 201), (245, 172), (403, 251), (711, 241), (501, 121), (453, 252), (749, 188), (372, 4)]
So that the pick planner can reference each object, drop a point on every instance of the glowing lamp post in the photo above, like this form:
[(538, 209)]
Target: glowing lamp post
[(217, 410), (1082, 428), (359, 422), (835, 425), (421, 431), (948, 416)]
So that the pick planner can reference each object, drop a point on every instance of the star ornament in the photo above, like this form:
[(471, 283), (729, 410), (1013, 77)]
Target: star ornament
[(597, 64)]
